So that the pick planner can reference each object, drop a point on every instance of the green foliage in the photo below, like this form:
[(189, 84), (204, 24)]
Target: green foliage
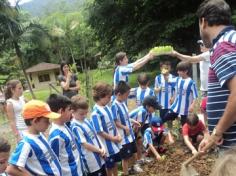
[(135, 26)]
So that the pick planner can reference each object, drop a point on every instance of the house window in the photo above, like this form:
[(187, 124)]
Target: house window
[(44, 78)]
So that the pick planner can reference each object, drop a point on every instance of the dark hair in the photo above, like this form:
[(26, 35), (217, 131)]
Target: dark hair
[(28, 121), (192, 119), (184, 66), (4, 145), (119, 57), (57, 102), (79, 102), (122, 87), (215, 12), (63, 63), (164, 63), (101, 90), (143, 79), (9, 87)]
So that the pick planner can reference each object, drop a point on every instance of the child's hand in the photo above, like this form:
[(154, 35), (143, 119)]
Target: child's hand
[(194, 152), (136, 124), (102, 153), (191, 108), (127, 131), (117, 139), (158, 157)]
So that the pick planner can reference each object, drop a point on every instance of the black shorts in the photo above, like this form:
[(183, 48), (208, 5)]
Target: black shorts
[(144, 127), (112, 160), (170, 116), (194, 138), (163, 113), (99, 172), (128, 150)]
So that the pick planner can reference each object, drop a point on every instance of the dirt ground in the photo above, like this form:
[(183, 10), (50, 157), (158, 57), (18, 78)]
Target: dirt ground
[(175, 156)]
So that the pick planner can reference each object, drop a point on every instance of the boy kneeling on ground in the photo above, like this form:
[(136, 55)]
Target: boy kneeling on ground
[(193, 132), (155, 136)]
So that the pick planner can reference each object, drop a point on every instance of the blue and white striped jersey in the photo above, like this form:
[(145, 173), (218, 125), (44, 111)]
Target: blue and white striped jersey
[(103, 121), (140, 94), (122, 73), (64, 145), (85, 133), (147, 137), (186, 92), (120, 113), (141, 115), (167, 90), (223, 61), (34, 153)]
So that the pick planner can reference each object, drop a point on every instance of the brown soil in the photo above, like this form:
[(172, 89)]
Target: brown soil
[(171, 165)]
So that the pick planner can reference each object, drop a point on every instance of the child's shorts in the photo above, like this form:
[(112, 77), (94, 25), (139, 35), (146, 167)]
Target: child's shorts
[(143, 128), (112, 160), (128, 150), (99, 172), (194, 138), (170, 116)]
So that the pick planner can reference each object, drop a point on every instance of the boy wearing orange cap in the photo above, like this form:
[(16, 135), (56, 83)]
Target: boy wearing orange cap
[(33, 155)]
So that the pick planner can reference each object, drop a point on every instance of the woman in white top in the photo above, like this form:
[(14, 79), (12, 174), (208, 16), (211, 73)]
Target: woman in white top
[(15, 102)]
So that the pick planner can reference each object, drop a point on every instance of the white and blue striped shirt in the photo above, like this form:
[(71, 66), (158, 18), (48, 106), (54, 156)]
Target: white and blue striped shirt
[(167, 90), (186, 92), (64, 145), (140, 94), (85, 133), (34, 154), (103, 121), (122, 73), (141, 115), (120, 113)]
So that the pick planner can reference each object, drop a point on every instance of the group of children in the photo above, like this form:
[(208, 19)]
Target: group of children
[(78, 145)]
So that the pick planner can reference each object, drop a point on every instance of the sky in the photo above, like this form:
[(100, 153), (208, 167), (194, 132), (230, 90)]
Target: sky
[(13, 2)]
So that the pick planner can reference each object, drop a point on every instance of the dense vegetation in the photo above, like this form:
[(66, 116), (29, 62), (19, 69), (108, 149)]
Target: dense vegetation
[(90, 32)]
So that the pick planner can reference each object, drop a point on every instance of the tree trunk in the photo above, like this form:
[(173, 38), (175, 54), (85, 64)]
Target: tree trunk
[(19, 55)]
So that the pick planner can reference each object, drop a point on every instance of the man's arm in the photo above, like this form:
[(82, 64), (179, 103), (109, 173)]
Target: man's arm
[(187, 58)]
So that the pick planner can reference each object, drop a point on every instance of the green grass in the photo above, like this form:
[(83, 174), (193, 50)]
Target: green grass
[(41, 94)]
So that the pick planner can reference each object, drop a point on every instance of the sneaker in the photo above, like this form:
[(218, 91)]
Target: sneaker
[(137, 168), (141, 161), (148, 160)]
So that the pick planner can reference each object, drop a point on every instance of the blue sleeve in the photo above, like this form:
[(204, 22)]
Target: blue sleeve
[(114, 112), (97, 123), (148, 138), (194, 90), (21, 154), (54, 143)]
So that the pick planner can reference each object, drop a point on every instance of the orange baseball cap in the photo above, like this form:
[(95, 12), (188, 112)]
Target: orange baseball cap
[(37, 108)]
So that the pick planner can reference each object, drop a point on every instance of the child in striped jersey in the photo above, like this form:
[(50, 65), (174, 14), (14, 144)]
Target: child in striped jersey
[(143, 114), (123, 69), (185, 94), (143, 90), (33, 154), (91, 147), (4, 155), (61, 138), (164, 88), (123, 123), (104, 125)]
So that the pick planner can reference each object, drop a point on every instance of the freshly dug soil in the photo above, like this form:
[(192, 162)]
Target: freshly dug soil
[(174, 157)]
